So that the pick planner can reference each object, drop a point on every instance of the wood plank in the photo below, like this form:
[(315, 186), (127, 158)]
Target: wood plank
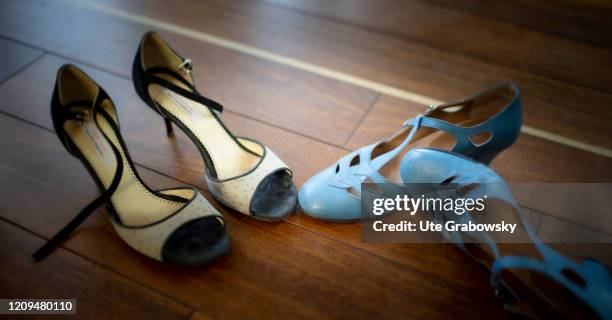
[(27, 96), (531, 159), (405, 64), (398, 62), (293, 99), (100, 293), (178, 158), (323, 268), (555, 230), (582, 21), (560, 235), (462, 32), (585, 205), (414, 67), (274, 270), (198, 315), (595, 130), (14, 57)]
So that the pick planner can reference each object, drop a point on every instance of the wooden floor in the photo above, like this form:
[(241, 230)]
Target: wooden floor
[(559, 53)]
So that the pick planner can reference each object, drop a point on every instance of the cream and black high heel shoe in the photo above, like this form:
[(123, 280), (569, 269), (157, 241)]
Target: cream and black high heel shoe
[(241, 173), (171, 225)]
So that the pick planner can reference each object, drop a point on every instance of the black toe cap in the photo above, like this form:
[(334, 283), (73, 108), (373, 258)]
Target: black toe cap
[(196, 242), (275, 197)]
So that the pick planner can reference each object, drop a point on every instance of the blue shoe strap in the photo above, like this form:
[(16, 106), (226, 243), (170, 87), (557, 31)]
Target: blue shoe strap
[(500, 125), (461, 134), (596, 293), (381, 160), (457, 236), (368, 168), (495, 188)]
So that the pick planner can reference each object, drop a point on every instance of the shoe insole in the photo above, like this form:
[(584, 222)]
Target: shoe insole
[(228, 157), (424, 138), (133, 202)]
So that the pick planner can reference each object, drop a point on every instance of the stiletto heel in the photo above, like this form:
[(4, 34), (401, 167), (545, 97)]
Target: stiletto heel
[(169, 130), (240, 172), (173, 225)]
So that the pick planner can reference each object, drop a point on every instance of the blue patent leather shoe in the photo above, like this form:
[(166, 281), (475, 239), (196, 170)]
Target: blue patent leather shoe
[(562, 285), (479, 127)]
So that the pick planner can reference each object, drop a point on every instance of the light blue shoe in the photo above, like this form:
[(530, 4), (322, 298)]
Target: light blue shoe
[(589, 281), (482, 126)]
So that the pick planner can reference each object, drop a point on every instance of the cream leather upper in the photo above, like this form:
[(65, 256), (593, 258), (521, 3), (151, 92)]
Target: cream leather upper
[(235, 166), (237, 179), (150, 240), (237, 193)]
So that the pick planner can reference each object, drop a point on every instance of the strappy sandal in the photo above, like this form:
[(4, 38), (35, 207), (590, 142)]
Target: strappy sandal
[(480, 127), (542, 284), (241, 173), (172, 225)]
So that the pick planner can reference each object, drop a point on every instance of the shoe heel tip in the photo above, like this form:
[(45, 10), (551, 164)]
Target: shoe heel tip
[(169, 129)]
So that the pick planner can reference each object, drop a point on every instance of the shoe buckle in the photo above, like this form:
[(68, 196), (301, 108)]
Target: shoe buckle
[(82, 116), (186, 66), (507, 299), (431, 108)]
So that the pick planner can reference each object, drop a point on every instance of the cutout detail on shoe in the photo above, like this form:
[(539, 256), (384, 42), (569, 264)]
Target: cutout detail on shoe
[(481, 138), (449, 180), (572, 276), (354, 192)]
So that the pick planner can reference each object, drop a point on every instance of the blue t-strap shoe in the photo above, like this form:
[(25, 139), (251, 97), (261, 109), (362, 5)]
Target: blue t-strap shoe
[(551, 286), (479, 127)]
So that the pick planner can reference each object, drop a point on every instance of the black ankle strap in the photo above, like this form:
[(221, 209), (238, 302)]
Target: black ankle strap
[(193, 95), (58, 238)]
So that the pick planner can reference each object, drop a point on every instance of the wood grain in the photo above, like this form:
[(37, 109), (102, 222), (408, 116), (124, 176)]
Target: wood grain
[(433, 72), (460, 31), (148, 145), (293, 99), (300, 268), (530, 159), (573, 240), (200, 316), (555, 230), (179, 158), (14, 57), (582, 21), (400, 62), (27, 96), (275, 270), (100, 293)]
